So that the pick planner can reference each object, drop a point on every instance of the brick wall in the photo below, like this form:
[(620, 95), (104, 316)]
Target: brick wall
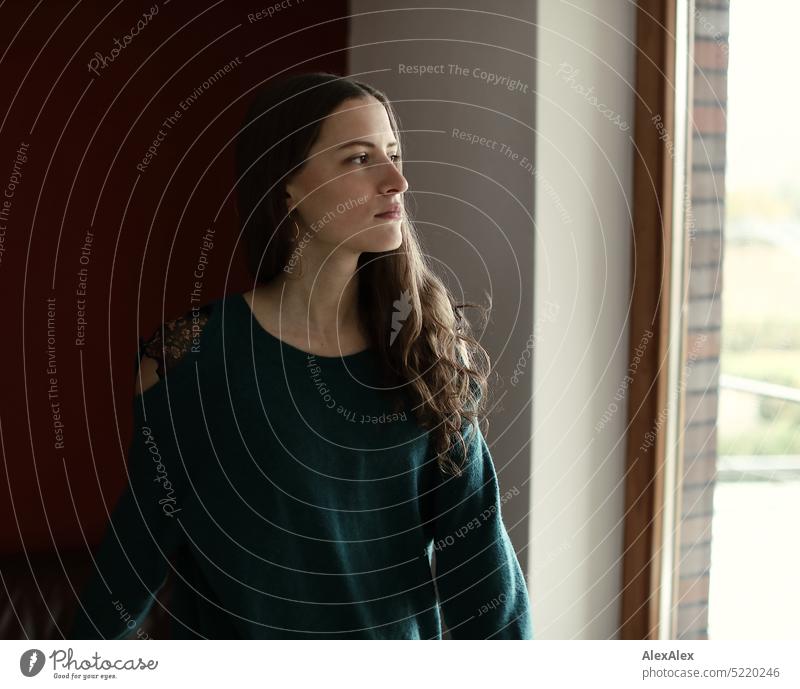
[(701, 357)]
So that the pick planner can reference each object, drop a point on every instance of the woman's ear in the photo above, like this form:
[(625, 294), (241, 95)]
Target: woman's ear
[(290, 196)]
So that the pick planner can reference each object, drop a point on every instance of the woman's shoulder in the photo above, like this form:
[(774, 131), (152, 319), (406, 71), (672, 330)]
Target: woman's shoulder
[(182, 337)]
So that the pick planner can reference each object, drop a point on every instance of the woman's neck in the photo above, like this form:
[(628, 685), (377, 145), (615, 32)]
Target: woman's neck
[(323, 318)]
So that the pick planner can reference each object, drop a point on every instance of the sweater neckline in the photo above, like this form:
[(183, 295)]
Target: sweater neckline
[(290, 350)]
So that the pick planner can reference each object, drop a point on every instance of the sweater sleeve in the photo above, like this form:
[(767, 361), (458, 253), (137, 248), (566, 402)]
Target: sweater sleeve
[(481, 587), (132, 561)]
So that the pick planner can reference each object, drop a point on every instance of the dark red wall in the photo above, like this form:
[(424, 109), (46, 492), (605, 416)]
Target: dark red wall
[(85, 134)]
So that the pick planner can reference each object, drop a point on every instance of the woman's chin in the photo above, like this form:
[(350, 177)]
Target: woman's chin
[(386, 236)]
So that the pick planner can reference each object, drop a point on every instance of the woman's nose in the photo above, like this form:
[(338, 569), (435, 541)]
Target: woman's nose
[(394, 179)]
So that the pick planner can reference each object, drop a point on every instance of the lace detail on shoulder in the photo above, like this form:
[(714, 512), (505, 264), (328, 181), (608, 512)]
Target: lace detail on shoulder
[(169, 342)]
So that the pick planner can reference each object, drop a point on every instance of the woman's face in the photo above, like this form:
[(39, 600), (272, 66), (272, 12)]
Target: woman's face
[(343, 185)]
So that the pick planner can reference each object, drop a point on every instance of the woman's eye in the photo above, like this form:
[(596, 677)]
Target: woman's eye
[(395, 156)]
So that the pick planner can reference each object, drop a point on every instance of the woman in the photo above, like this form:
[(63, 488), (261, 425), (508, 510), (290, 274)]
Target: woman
[(302, 450)]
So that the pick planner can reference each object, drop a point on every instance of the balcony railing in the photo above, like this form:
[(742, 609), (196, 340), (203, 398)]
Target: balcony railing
[(759, 467)]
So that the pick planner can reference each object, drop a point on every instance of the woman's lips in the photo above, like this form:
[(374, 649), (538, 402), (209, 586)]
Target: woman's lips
[(391, 215)]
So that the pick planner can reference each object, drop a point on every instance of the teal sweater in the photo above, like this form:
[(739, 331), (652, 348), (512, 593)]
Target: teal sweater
[(289, 500)]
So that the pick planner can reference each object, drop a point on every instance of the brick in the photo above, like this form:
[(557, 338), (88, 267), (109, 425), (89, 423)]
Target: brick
[(709, 232), (701, 406), (694, 557), (710, 55), (703, 344), (697, 499), (700, 375), (707, 185), (695, 530), (710, 87), (692, 621), (709, 119), (706, 448), (708, 214), (704, 249), (710, 153), (685, 574), (710, 22), (694, 453), (704, 312), (691, 618), (694, 634), (700, 443), (693, 590), (700, 470), (705, 282)]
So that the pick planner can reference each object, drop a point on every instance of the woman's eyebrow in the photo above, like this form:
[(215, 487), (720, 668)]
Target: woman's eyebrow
[(368, 144)]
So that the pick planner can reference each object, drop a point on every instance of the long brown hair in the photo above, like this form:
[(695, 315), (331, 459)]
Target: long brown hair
[(441, 368)]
